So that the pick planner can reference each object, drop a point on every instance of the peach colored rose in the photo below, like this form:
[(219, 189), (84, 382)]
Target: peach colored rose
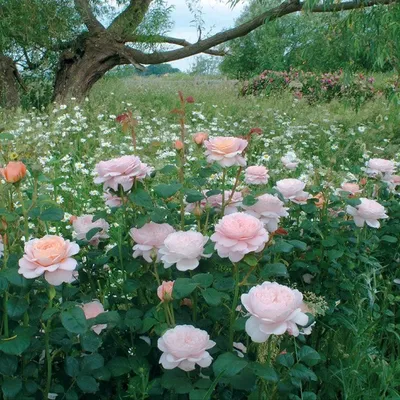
[(369, 211), (82, 225), (320, 200), (164, 291), (120, 171), (290, 188), (185, 346), (14, 171), (51, 256), (200, 137), (274, 309), (238, 234), (92, 310), (226, 151), (149, 239), (183, 249), (268, 209), (178, 145), (256, 175)]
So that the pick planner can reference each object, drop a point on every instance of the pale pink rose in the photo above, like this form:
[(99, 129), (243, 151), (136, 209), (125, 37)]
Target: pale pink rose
[(240, 349), (290, 188), (82, 225), (380, 166), (268, 209), (215, 201), (238, 234), (290, 160), (185, 346), (352, 188), (369, 211), (51, 256), (256, 175), (183, 249), (112, 200), (149, 239), (92, 310), (301, 198), (226, 151), (200, 137), (145, 171), (120, 171), (394, 182), (164, 291), (275, 309)]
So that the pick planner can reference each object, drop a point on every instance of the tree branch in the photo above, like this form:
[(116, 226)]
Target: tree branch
[(85, 11), (287, 7)]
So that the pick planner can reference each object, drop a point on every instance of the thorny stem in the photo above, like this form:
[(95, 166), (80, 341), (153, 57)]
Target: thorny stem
[(223, 192), (234, 305)]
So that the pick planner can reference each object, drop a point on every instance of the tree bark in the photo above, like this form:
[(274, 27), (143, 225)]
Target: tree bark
[(9, 76)]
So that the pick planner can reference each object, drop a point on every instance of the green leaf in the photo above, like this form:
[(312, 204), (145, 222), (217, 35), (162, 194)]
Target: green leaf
[(286, 360), (71, 367), (198, 395), (303, 373), (92, 362), (309, 356), (204, 280), (389, 239), (90, 341), (48, 313), (228, 365), (15, 345), (224, 284), (163, 190), (141, 198), (183, 287), (6, 136), (212, 296), (11, 387), (169, 169), (192, 196), (12, 275), (264, 371), (74, 320), (111, 318), (249, 200), (52, 214), (298, 244), (92, 233), (309, 396), (16, 306), (330, 241), (277, 269), (177, 381), (251, 259), (87, 384), (8, 364), (282, 247), (119, 366)]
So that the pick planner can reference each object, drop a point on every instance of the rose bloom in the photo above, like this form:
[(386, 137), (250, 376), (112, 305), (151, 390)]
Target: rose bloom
[(351, 188), (301, 198), (149, 239), (92, 310), (51, 256), (14, 171), (215, 201), (178, 145), (120, 171), (183, 249), (380, 166), (320, 200), (369, 211), (256, 175), (290, 188), (274, 309), (164, 291), (200, 137), (238, 234), (112, 200), (290, 160), (185, 346), (82, 225), (268, 209), (226, 151)]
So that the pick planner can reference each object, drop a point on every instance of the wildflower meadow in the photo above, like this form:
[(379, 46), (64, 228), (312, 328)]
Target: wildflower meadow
[(167, 238)]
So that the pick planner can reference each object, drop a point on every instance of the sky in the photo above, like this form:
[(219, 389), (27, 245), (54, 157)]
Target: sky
[(217, 15)]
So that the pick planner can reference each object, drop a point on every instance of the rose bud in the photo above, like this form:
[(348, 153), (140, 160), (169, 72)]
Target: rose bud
[(14, 171), (178, 145), (200, 137)]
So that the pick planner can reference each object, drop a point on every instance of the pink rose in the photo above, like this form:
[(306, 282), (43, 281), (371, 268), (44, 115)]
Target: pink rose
[(226, 151), (185, 346), (380, 166), (120, 171), (149, 239), (256, 175), (92, 310), (238, 234), (112, 200), (51, 256), (290, 188), (369, 211), (82, 225), (351, 188), (301, 198), (274, 309), (215, 201), (268, 209), (164, 291), (183, 249), (290, 160), (200, 137)]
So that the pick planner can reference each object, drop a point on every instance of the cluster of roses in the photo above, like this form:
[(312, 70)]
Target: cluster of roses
[(273, 308)]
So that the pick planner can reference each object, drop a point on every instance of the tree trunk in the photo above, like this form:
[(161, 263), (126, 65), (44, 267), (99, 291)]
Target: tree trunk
[(80, 68), (9, 95)]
